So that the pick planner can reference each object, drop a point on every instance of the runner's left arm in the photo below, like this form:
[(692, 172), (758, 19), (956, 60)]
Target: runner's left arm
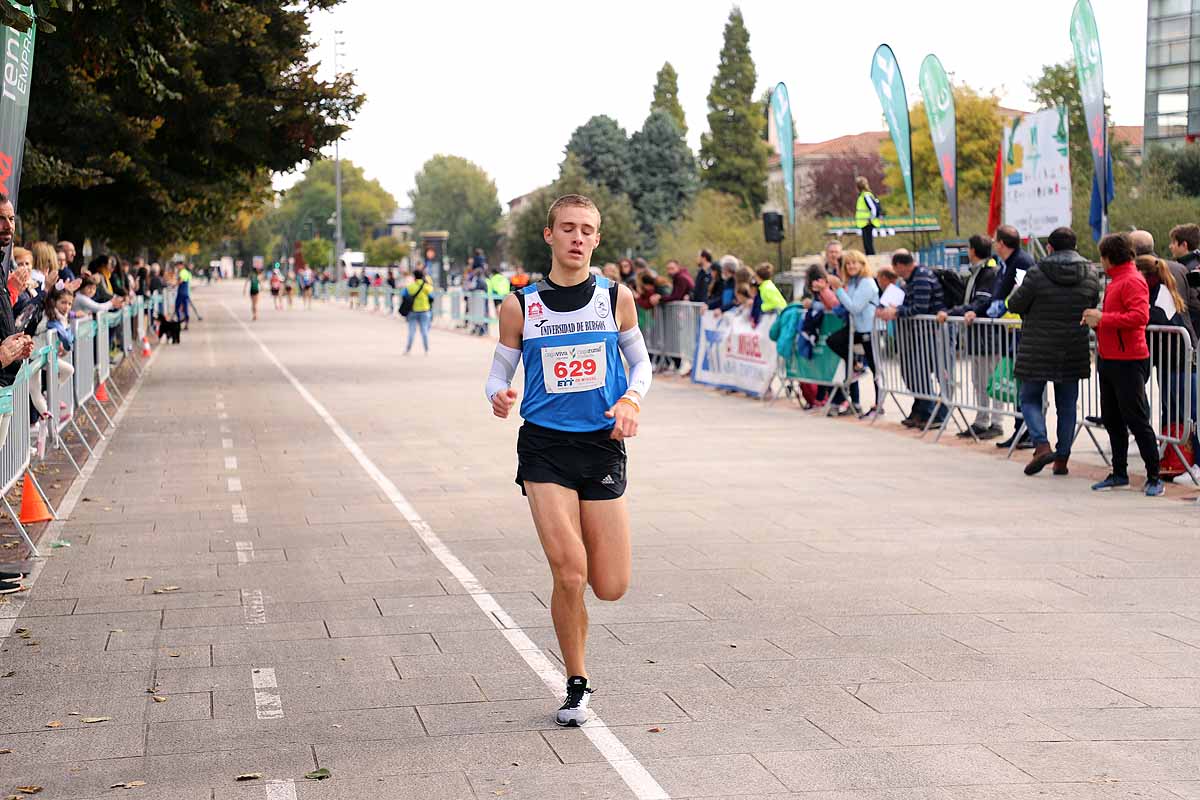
[(633, 346)]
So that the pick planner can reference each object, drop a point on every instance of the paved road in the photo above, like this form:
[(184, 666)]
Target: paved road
[(818, 608)]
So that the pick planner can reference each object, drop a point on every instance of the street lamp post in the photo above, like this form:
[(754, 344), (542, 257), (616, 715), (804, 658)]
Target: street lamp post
[(338, 243)]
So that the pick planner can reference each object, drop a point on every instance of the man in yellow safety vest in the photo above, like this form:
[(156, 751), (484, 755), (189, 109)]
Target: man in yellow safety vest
[(866, 214)]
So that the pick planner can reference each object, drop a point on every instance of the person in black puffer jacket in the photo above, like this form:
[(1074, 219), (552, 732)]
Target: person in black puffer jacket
[(1054, 346)]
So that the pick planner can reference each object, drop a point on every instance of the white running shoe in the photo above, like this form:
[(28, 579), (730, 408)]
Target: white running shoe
[(574, 712)]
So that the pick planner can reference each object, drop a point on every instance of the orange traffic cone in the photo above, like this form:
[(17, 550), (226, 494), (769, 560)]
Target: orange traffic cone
[(145, 347), (102, 393), (33, 507)]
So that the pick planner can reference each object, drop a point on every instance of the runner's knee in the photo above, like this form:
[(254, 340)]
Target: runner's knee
[(609, 588), (569, 576)]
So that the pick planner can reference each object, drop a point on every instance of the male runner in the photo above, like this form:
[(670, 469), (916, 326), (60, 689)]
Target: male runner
[(572, 329)]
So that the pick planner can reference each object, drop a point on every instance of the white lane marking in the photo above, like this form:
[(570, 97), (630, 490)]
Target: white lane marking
[(245, 552), (636, 777), (227, 444), (267, 702), (239, 513), (254, 608), (230, 462), (54, 531), (234, 484), (281, 789)]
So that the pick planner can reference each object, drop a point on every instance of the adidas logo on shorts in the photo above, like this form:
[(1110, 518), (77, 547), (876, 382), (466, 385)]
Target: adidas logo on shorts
[(608, 480)]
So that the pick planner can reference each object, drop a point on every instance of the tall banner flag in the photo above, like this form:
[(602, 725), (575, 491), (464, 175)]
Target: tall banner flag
[(943, 127), (889, 85), (781, 127), (14, 102), (1085, 38)]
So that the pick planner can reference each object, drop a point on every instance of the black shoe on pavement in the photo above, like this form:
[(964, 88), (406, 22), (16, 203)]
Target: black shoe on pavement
[(574, 712), (11, 576), (9, 587), (972, 432), (992, 432)]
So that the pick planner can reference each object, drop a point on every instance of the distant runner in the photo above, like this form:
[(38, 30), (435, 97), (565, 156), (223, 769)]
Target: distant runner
[(253, 287), (572, 329)]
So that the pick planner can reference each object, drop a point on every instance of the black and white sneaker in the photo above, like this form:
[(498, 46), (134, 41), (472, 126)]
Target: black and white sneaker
[(574, 712), (11, 587)]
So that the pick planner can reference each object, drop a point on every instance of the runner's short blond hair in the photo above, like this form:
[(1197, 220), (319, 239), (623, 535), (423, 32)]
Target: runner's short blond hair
[(571, 200)]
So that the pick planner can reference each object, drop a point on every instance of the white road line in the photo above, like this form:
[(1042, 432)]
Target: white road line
[(239, 513), (281, 789), (636, 777), (231, 462), (245, 552), (234, 484), (254, 608), (267, 702), (227, 444), (10, 611)]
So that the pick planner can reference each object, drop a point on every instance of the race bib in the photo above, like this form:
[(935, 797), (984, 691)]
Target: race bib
[(574, 368)]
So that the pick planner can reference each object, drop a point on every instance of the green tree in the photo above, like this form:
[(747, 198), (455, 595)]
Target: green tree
[(308, 207), (602, 150), (159, 121), (455, 195), (718, 223), (664, 174), (619, 233), (386, 250), (318, 253), (979, 127), (666, 96), (733, 153)]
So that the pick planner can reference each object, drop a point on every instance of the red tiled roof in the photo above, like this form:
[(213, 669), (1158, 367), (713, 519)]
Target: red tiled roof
[(864, 143), (1130, 135)]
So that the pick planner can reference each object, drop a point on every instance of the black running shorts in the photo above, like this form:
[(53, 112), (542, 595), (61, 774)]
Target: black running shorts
[(592, 463)]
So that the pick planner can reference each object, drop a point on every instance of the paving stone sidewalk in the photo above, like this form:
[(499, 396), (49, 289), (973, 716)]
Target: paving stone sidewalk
[(818, 609)]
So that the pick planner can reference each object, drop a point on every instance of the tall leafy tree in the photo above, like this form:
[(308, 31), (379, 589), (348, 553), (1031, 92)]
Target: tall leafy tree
[(159, 120), (666, 96), (308, 207), (664, 174), (618, 231), (455, 195), (979, 127), (602, 150), (831, 191), (733, 154)]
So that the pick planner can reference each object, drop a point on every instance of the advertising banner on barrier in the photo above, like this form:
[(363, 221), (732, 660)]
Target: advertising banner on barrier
[(780, 134), (1037, 172), (889, 85), (943, 127), (14, 105), (733, 354)]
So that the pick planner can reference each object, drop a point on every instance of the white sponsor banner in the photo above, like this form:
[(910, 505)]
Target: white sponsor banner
[(1037, 172), (733, 354)]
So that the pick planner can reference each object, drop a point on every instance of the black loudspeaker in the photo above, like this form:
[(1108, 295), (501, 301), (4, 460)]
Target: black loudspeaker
[(773, 226)]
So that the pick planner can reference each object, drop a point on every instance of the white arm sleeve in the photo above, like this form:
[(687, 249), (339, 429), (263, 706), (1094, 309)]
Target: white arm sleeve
[(504, 366), (633, 347)]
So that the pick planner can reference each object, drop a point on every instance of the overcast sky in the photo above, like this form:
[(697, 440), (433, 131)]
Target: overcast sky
[(505, 84)]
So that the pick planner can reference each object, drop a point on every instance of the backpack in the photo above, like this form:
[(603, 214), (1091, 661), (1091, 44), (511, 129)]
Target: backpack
[(878, 208), (954, 288), (406, 300)]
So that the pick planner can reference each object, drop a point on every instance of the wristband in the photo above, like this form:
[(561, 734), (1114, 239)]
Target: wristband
[(632, 402)]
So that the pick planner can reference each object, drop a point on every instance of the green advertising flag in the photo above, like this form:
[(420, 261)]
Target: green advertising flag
[(1085, 38), (781, 122), (943, 127), (14, 105), (889, 85)]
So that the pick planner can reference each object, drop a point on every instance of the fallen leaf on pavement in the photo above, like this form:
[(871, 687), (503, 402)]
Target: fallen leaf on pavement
[(158, 699), (90, 720), (655, 730), (249, 776), (8, 674), (165, 589), (173, 655), (318, 774), (29, 789), (53, 724), (128, 785), (4, 751)]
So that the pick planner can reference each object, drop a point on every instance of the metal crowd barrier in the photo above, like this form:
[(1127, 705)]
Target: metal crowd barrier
[(60, 399), (912, 359), (14, 452), (1171, 389), (822, 367), (671, 332), (84, 356)]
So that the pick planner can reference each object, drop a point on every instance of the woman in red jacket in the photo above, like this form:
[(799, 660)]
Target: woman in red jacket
[(1123, 366)]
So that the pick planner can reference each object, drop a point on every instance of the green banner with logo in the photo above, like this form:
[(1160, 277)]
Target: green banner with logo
[(781, 124), (889, 85), (943, 127), (1085, 38), (14, 102)]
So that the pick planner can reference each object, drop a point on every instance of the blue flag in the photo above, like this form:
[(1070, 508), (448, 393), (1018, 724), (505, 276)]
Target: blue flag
[(1096, 212)]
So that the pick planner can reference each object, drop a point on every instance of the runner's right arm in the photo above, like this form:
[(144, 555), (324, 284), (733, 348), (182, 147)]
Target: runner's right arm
[(499, 389)]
